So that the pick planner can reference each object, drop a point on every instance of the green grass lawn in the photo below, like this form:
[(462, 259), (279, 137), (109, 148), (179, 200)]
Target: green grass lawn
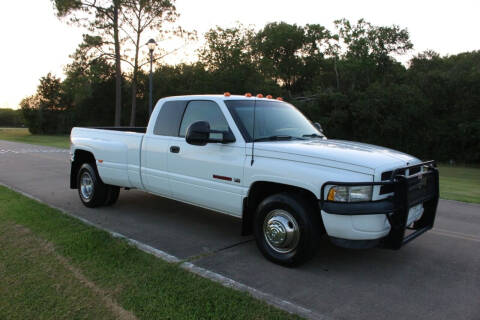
[(460, 183), (53, 266), (23, 135)]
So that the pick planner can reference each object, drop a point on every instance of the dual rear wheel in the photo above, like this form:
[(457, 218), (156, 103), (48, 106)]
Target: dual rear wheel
[(92, 191)]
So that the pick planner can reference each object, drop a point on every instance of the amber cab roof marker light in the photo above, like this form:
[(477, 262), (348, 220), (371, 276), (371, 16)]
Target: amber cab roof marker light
[(248, 94), (280, 99), (259, 95), (227, 94), (269, 96)]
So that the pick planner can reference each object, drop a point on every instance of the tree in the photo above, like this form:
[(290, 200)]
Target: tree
[(351, 82), (292, 55), (10, 117), (369, 49), (89, 86), (228, 57), (319, 44), (139, 16), (45, 111), (102, 16), (450, 84), (227, 48), (279, 48)]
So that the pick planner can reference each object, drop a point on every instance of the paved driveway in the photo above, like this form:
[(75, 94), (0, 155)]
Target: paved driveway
[(437, 276)]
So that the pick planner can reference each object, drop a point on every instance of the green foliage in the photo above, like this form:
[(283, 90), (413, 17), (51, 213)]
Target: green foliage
[(347, 79), (10, 118), (291, 55), (227, 60), (451, 85), (227, 49), (101, 17), (368, 53), (279, 46), (47, 111)]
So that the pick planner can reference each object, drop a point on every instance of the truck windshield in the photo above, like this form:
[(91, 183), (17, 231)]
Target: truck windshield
[(274, 121)]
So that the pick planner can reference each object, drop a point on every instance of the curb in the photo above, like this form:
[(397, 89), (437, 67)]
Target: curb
[(188, 266)]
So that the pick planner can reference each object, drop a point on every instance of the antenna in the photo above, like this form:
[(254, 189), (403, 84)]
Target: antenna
[(253, 142)]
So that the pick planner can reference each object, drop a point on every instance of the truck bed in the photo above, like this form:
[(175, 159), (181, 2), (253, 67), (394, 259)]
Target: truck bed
[(131, 129), (117, 152)]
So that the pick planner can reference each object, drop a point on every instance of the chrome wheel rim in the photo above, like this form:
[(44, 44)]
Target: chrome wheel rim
[(86, 186), (281, 231)]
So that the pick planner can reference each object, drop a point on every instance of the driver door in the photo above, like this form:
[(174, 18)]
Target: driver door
[(209, 176)]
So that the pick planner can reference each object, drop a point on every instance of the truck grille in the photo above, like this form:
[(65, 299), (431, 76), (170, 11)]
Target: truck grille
[(387, 175)]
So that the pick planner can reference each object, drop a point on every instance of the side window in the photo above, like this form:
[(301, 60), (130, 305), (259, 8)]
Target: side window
[(204, 111), (169, 117)]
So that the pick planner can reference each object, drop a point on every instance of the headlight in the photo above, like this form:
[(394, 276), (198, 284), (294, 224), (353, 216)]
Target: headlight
[(350, 193)]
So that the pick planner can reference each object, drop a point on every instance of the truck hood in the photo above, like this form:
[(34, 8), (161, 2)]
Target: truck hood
[(339, 151)]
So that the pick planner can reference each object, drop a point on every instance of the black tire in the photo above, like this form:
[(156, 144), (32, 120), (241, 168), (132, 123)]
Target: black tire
[(305, 219), (95, 194), (113, 193)]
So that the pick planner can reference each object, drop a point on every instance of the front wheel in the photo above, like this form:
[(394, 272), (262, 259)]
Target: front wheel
[(286, 229)]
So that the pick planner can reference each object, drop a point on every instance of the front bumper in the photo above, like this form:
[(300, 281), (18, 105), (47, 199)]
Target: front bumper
[(393, 220)]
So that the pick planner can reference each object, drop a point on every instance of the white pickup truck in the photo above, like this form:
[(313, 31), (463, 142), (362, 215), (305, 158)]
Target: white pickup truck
[(260, 160)]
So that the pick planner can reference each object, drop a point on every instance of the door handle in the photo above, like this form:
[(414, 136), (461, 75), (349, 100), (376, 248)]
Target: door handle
[(174, 149)]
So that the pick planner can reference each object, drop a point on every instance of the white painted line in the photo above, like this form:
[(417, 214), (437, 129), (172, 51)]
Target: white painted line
[(457, 235), (204, 273)]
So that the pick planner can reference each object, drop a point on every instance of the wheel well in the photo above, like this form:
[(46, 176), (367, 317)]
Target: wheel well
[(80, 157), (261, 190)]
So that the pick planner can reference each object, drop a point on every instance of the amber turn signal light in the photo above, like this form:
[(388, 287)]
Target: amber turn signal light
[(331, 194)]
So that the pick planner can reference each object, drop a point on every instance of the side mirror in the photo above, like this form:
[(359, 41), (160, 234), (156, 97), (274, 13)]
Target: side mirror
[(198, 133), (227, 137), (318, 126)]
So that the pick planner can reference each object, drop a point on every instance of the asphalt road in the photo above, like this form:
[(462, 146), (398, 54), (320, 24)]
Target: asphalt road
[(437, 276)]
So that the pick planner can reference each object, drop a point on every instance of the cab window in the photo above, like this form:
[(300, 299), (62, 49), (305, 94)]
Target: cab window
[(169, 117), (204, 111)]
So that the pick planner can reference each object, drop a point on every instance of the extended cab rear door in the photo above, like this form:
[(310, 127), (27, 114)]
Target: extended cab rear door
[(155, 148), (212, 175)]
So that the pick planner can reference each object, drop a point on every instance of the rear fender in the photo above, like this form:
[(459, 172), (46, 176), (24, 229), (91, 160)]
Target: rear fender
[(80, 157)]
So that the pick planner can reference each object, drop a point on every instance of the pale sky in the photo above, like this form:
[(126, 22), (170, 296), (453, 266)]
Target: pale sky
[(34, 42)]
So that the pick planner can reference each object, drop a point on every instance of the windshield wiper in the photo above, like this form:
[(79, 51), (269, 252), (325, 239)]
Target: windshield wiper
[(313, 135), (277, 138)]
